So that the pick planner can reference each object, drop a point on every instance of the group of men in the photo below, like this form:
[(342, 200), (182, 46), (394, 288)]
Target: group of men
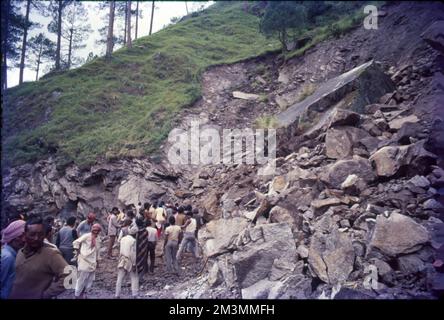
[(33, 267)]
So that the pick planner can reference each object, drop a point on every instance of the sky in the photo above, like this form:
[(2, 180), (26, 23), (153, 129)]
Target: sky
[(164, 11)]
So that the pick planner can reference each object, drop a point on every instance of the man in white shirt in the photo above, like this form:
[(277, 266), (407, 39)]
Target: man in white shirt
[(127, 263), (138, 210), (172, 239), (152, 241), (189, 237), (160, 216), (113, 227), (88, 248)]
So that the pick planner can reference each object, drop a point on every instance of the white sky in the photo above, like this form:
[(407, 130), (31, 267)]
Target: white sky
[(165, 10)]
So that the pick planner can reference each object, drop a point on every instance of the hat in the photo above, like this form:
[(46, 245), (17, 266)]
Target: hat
[(14, 230)]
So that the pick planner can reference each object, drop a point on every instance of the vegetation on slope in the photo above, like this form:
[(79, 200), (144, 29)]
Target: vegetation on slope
[(126, 106)]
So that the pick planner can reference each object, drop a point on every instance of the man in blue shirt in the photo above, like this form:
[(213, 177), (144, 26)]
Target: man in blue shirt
[(85, 226), (13, 239)]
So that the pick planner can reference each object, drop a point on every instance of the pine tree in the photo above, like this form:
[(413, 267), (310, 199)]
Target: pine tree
[(283, 18), (128, 25), (40, 7), (12, 23), (56, 8), (119, 13), (137, 18), (110, 36), (75, 31), (152, 18), (41, 49)]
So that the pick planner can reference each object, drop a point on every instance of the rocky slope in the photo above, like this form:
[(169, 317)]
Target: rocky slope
[(355, 209)]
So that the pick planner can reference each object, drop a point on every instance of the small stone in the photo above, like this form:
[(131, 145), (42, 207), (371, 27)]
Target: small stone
[(398, 123), (374, 209), (302, 251), (215, 276), (432, 204), (245, 96), (420, 181), (349, 181), (317, 204), (410, 264)]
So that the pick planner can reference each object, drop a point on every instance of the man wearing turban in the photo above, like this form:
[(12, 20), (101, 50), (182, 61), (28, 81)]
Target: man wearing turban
[(88, 248), (13, 239)]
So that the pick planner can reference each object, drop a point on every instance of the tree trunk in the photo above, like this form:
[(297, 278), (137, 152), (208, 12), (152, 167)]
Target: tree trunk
[(59, 35), (186, 7), (152, 17), (6, 6), (38, 62), (110, 37), (71, 32), (137, 18), (25, 35), (128, 31), (283, 39), (126, 22)]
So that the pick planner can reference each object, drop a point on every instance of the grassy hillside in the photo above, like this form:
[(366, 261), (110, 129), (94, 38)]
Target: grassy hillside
[(126, 106)]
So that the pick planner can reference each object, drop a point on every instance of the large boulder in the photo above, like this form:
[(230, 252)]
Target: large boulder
[(405, 134), (259, 290), (352, 294), (331, 256), (215, 276), (396, 124), (263, 245), (398, 235), (301, 177), (340, 141), (388, 160), (344, 117), (410, 263), (135, 190), (220, 235), (334, 175), (353, 90), (391, 159), (210, 204), (279, 214)]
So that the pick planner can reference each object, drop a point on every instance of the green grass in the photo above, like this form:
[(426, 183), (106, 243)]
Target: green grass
[(341, 19), (126, 107), (266, 122), (306, 91)]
